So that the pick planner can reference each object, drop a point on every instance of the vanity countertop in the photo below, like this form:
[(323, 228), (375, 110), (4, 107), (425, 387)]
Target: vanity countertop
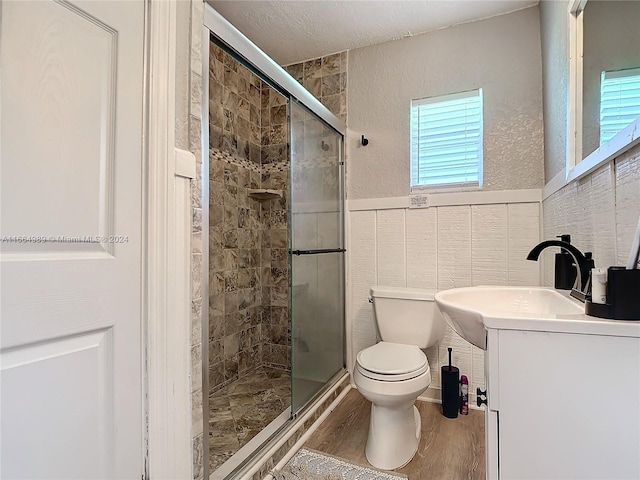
[(576, 322)]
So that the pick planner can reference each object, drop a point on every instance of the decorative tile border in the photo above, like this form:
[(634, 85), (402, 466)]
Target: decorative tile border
[(275, 167), (216, 154)]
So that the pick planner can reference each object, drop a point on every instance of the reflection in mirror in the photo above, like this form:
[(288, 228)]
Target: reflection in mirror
[(611, 71)]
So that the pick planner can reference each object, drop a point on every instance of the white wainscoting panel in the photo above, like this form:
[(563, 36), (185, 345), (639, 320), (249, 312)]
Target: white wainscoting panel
[(477, 371), (422, 248), (523, 226), (600, 211), (363, 274), (627, 200), (391, 241), (454, 247), (461, 356), (604, 208), (438, 247), (489, 239)]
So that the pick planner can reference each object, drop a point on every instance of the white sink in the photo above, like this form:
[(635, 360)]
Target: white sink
[(470, 310)]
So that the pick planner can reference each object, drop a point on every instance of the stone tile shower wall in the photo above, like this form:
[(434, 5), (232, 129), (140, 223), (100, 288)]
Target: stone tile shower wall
[(326, 79), (275, 236), (248, 239)]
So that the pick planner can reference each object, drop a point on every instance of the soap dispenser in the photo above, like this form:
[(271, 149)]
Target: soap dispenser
[(566, 272)]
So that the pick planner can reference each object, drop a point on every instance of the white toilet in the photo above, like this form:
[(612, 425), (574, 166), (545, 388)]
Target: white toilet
[(393, 373)]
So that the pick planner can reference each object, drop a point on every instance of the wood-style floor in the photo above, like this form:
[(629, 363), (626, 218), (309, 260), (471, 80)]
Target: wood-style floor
[(449, 448)]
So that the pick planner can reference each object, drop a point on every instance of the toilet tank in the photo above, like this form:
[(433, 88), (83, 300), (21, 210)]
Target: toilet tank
[(407, 315)]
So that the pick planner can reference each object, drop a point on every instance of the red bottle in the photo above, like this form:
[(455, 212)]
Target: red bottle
[(464, 395)]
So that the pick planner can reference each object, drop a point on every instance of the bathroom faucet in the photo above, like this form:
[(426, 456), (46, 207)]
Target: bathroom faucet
[(583, 265)]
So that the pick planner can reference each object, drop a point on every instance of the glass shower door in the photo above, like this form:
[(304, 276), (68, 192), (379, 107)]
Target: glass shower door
[(317, 255)]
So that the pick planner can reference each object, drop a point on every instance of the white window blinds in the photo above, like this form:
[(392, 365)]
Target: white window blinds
[(446, 140), (619, 101)]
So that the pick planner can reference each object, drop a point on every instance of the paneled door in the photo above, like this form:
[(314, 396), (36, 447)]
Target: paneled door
[(71, 226)]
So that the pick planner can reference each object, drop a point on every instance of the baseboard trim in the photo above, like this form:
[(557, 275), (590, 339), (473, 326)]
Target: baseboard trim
[(431, 395), (434, 395)]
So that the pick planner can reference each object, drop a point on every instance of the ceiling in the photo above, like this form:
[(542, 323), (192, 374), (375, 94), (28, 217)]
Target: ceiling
[(297, 30)]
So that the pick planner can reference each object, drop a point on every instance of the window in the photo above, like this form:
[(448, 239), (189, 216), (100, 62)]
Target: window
[(619, 101), (446, 140)]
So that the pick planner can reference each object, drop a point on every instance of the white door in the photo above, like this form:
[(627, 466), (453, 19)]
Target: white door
[(71, 227)]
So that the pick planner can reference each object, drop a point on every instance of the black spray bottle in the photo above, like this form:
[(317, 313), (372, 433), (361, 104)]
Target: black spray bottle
[(566, 272)]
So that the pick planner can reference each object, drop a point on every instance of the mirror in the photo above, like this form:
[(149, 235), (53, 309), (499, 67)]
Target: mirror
[(606, 63)]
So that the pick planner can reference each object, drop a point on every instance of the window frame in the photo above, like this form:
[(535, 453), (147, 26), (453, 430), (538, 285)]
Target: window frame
[(606, 76), (450, 187)]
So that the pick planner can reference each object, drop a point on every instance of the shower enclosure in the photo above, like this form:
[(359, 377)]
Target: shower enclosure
[(317, 295), (275, 333)]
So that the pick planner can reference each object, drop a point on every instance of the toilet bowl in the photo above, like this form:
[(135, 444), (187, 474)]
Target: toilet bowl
[(394, 428), (394, 372)]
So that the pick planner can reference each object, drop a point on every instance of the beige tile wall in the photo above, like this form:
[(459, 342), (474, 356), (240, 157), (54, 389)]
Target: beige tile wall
[(192, 22), (235, 220), (248, 238), (326, 79), (275, 229)]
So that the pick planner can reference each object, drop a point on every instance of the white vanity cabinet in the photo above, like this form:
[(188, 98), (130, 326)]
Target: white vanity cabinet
[(562, 405)]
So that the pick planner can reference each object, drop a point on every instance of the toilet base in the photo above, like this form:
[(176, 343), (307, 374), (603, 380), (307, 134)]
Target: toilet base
[(394, 435)]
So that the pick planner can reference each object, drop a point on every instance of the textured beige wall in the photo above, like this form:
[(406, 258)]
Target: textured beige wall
[(555, 82), (501, 55)]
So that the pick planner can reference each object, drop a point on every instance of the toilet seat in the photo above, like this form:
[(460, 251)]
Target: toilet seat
[(391, 362)]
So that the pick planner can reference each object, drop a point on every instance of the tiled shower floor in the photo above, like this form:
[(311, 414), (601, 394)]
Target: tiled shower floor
[(239, 411)]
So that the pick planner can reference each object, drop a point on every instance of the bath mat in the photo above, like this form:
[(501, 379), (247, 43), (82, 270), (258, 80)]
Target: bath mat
[(312, 465)]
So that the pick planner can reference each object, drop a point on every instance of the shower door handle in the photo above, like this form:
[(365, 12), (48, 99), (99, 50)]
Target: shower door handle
[(315, 252)]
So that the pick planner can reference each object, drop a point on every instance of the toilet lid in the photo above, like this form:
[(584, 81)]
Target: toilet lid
[(392, 359)]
